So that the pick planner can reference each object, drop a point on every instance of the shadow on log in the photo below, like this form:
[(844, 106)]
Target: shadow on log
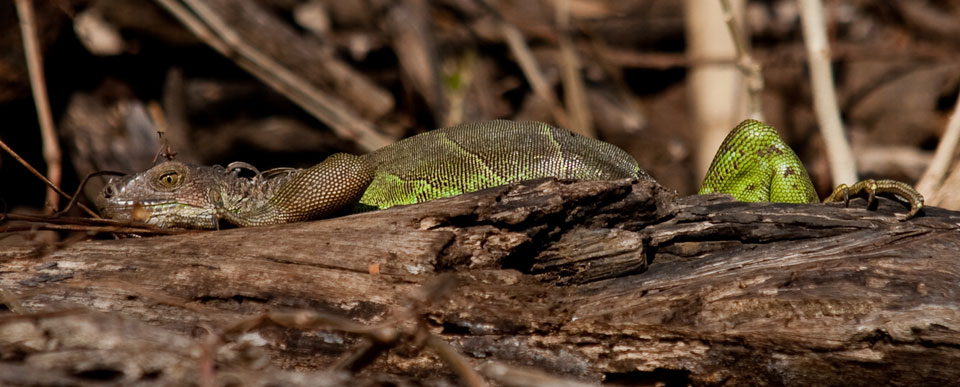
[(614, 281)]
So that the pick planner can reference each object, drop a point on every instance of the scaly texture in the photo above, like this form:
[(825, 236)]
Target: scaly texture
[(439, 163), (754, 165), (871, 188), (474, 156), (316, 192)]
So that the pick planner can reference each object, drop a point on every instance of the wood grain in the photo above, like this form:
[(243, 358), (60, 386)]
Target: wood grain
[(615, 281)]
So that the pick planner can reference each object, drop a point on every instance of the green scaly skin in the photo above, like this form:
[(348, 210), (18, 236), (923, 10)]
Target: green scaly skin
[(432, 165), (753, 164), (473, 156)]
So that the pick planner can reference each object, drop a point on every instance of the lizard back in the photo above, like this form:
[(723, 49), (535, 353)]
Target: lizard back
[(475, 156)]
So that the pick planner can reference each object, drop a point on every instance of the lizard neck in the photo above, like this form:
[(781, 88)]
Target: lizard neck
[(294, 195), (249, 201)]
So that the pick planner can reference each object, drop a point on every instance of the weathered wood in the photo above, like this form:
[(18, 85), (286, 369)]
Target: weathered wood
[(614, 281)]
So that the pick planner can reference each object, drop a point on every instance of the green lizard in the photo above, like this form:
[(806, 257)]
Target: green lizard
[(753, 164)]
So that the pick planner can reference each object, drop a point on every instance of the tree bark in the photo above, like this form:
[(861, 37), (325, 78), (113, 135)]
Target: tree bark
[(612, 281)]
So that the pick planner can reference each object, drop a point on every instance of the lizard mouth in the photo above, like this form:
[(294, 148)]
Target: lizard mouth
[(160, 213)]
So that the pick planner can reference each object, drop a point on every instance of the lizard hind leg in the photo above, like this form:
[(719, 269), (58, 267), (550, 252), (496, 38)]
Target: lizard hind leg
[(871, 188)]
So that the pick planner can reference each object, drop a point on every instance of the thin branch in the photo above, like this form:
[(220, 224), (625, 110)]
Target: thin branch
[(530, 68), (223, 38), (717, 91), (410, 35), (49, 183), (381, 337), (574, 93), (531, 71), (88, 229), (528, 377), (70, 220), (842, 164), (932, 179), (85, 224), (751, 69), (51, 147), (74, 200), (459, 364)]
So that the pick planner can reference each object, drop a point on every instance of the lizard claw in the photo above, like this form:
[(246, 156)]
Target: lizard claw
[(871, 187)]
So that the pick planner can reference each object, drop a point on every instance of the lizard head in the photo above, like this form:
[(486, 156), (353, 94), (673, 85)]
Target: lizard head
[(171, 194)]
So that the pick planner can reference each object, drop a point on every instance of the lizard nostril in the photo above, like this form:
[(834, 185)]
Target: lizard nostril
[(108, 191)]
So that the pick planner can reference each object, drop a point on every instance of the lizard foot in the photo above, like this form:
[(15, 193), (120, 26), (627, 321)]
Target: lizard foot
[(871, 187)]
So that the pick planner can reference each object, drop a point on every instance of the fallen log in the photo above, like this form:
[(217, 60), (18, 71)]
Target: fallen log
[(614, 281)]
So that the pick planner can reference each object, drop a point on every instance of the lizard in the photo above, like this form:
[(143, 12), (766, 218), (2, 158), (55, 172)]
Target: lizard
[(752, 164)]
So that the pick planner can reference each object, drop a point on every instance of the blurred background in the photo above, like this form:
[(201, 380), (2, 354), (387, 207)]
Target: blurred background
[(288, 82)]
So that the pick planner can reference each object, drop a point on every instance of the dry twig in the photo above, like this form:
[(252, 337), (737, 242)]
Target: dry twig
[(526, 377), (716, 89), (531, 70), (751, 68), (210, 28), (49, 183), (51, 147), (842, 165), (84, 224), (932, 179), (404, 326), (417, 55), (574, 95)]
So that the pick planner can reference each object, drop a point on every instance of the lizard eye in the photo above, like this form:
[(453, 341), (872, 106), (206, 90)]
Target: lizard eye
[(170, 179)]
